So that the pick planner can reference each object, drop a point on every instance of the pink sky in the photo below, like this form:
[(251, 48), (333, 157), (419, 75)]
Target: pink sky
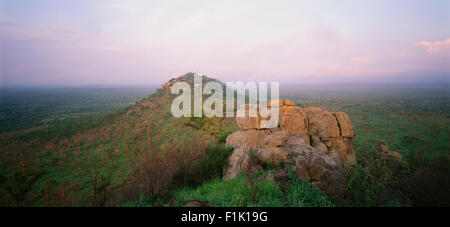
[(147, 42)]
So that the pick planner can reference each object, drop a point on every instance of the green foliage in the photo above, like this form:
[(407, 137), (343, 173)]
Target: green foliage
[(427, 181), (24, 108), (223, 134), (233, 193), (254, 190), (267, 165), (206, 168), (368, 186), (216, 126), (302, 194), (70, 126), (16, 189), (256, 161)]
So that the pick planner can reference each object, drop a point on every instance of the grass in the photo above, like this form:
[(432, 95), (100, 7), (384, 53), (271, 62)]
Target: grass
[(238, 192), (233, 193)]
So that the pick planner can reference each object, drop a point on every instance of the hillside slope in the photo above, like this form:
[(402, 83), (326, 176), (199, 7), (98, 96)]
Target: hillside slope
[(71, 170)]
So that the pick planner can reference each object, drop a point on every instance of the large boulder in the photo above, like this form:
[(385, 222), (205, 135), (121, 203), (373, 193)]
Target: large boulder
[(248, 139), (343, 146), (321, 123), (245, 119), (278, 102), (322, 170), (297, 144), (272, 155), (293, 120), (274, 138), (288, 102)]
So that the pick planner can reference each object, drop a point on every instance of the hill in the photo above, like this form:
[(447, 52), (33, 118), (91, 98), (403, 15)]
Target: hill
[(140, 155), (65, 164)]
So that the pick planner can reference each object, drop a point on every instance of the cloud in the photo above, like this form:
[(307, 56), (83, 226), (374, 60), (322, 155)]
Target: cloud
[(435, 47)]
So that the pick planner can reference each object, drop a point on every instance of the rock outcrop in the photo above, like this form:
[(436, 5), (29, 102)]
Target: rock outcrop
[(317, 142), (168, 86), (383, 150)]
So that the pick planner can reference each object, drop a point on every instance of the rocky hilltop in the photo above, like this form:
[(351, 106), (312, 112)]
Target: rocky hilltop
[(317, 142)]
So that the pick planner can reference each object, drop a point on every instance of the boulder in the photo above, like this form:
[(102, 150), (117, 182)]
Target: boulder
[(382, 149), (344, 148), (272, 155), (274, 102), (297, 144), (293, 120), (345, 124), (321, 123), (322, 170), (274, 139), (248, 139), (288, 102), (245, 120)]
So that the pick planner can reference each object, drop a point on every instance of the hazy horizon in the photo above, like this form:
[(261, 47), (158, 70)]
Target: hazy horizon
[(137, 42)]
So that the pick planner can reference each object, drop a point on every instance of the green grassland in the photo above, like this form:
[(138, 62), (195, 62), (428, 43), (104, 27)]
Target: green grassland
[(28, 107), (128, 150), (409, 118)]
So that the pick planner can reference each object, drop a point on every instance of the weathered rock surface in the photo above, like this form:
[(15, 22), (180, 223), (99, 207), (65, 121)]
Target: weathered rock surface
[(322, 170), (322, 123), (274, 103), (247, 139), (239, 162), (293, 120), (345, 124), (317, 142), (383, 149), (288, 102), (274, 138), (272, 155), (249, 119)]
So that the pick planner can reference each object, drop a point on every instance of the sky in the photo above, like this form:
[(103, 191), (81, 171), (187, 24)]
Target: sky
[(73, 42)]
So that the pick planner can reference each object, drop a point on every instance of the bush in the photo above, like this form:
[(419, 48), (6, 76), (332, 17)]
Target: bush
[(206, 168), (302, 194), (222, 135), (428, 181), (366, 189)]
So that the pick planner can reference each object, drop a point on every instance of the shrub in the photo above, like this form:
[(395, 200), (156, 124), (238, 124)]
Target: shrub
[(16, 190), (366, 189), (206, 168), (302, 194), (222, 135), (428, 181)]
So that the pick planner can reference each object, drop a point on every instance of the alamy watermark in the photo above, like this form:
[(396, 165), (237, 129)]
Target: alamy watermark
[(213, 106)]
